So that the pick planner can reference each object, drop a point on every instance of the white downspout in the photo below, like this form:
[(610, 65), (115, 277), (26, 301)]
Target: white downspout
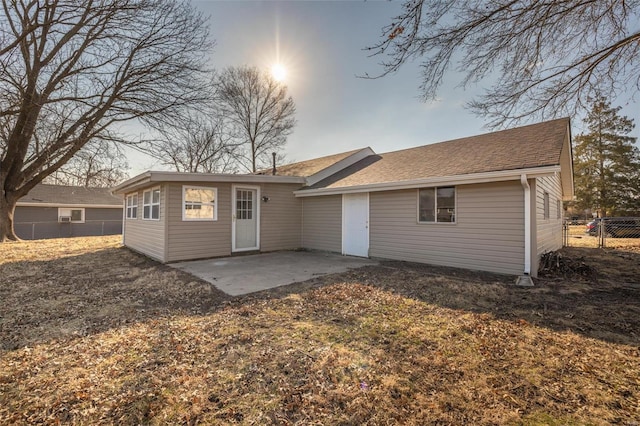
[(527, 224), (124, 216)]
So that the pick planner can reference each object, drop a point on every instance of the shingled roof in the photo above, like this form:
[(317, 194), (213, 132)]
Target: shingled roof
[(71, 195), (532, 146), (310, 167)]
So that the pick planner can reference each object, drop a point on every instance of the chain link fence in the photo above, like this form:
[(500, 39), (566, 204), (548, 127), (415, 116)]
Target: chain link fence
[(43, 230), (609, 232)]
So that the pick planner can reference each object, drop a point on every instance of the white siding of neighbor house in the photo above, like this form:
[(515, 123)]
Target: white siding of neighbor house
[(281, 218), (488, 234), (198, 239), (548, 231), (322, 223), (148, 236)]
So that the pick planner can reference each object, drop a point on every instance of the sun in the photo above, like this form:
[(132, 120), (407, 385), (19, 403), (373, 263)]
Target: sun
[(279, 72)]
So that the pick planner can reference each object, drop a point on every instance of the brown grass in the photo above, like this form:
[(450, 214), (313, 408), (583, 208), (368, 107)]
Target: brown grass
[(106, 336)]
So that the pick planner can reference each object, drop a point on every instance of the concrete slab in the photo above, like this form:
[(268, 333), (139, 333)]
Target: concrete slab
[(239, 275)]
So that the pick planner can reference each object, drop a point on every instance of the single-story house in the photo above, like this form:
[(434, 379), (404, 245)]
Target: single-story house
[(491, 202), (54, 211)]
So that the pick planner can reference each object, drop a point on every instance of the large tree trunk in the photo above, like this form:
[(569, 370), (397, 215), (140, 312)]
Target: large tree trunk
[(7, 208)]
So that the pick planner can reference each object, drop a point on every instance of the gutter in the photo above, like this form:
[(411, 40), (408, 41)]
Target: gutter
[(484, 177), (151, 177)]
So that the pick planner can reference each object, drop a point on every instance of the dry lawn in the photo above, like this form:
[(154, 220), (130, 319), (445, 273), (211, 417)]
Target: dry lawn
[(91, 333)]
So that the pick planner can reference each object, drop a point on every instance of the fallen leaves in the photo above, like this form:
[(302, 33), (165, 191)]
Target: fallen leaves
[(396, 344)]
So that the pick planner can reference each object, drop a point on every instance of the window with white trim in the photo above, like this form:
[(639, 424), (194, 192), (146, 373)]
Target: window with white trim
[(132, 206), (437, 205), (546, 205), (70, 215), (199, 203), (558, 209), (151, 204)]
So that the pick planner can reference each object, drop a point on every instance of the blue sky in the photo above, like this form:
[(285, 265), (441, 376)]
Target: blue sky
[(321, 43)]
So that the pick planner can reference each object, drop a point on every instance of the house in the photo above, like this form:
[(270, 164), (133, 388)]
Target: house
[(491, 202), (54, 211)]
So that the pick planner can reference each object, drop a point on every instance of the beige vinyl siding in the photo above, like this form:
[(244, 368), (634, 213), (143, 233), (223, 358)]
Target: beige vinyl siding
[(488, 234), (322, 223), (281, 218), (198, 239), (548, 231), (148, 236)]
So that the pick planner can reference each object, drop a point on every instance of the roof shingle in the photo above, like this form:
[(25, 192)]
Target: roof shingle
[(310, 167), (67, 195), (536, 145)]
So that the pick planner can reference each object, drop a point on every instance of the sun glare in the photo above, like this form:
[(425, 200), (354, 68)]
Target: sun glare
[(279, 72)]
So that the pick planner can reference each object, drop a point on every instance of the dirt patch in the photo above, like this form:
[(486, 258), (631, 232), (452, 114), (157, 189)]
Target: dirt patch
[(397, 343)]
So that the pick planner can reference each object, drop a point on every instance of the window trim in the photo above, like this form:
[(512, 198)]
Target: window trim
[(558, 209), (546, 207), (215, 204), (82, 214), (151, 203), (130, 207), (435, 221)]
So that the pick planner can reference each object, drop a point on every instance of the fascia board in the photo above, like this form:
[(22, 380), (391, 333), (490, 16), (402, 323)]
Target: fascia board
[(499, 176), (342, 164), (63, 205), (132, 183), (566, 159), (157, 177)]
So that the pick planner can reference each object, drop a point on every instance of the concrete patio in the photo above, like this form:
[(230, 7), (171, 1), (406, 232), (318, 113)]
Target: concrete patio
[(240, 275)]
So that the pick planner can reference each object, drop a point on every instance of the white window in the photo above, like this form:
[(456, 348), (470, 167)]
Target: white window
[(559, 209), (132, 206), (151, 204), (199, 203), (71, 215), (546, 205), (437, 205)]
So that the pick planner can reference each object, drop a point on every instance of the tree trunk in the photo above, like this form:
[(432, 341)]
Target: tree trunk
[(7, 208)]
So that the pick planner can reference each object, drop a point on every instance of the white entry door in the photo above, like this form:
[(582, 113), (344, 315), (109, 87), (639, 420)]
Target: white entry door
[(246, 218), (355, 224)]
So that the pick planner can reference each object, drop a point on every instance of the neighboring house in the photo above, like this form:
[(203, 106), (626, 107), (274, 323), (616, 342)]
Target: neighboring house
[(54, 211), (491, 202)]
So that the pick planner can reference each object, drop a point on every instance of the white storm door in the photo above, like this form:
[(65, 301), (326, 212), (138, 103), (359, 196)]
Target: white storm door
[(355, 224), (246, 211)]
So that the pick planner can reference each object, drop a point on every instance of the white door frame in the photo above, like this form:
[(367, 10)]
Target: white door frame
[(344, 228), (234, 189)]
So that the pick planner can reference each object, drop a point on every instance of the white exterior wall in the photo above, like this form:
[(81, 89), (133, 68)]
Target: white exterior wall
[(281, 218), (322, 223), (198, 239), (488, 234), (148, 236), (548, 232)]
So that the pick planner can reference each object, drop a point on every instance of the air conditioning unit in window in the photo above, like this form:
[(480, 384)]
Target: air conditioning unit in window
[(64, 219)]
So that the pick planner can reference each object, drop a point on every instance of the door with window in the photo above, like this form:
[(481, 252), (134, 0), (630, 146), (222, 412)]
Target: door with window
[(246, 223)]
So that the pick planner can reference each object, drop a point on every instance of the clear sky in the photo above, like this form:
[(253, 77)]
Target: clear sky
[(321, 44)]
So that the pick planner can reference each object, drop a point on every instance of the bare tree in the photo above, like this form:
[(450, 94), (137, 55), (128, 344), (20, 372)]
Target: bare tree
[(549, 56), (70, 70), (260, 113), (195, 142), (97, 165)]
